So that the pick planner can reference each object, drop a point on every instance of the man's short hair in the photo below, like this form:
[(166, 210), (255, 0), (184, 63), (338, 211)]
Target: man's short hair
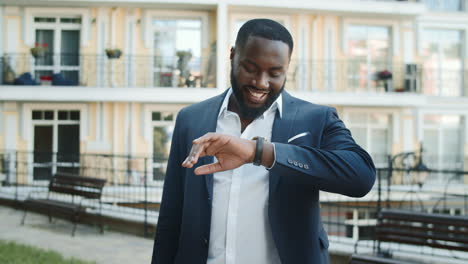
[(265, 28)]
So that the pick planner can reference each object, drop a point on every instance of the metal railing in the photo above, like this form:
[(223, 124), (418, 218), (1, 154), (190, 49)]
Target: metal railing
[(134, 188), (351, 75), (101, 71)]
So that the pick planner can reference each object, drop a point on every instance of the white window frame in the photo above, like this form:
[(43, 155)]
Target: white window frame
[(148, 126), (31, 12), (434, 23), (393, 127), (394, 30), (148, 31), (57, 27), (29, 123), (454, 112)]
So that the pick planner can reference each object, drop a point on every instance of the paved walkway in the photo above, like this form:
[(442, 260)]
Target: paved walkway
[(88, 243)]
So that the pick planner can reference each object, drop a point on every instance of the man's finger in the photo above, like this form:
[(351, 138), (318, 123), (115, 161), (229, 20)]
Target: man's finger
[(208, 169), (192, 158)]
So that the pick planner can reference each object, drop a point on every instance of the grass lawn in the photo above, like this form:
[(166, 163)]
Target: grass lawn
[(12, 253)]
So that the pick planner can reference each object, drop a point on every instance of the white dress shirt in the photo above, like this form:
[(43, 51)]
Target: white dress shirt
[(240, 229)]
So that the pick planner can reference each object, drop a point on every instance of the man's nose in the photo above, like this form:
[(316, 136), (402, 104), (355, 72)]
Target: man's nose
[(262, 81)]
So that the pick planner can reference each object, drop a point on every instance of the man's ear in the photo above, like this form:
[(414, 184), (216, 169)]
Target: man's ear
[(233, 52)]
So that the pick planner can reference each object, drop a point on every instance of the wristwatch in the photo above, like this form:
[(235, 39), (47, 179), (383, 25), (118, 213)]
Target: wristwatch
[(258, 150)]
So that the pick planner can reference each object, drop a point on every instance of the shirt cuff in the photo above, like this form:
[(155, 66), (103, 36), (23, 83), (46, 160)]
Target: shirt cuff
[(274, 157)]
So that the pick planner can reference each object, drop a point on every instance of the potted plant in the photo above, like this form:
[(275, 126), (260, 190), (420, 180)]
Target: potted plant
[(384, 76), (113, 53), (39, 50)]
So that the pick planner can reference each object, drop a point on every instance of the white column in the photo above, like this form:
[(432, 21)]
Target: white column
[(11, 133), (329, 49), (222, 46), (2, 29), (314, 64), (129, 48), (102, 21), (303, 53)]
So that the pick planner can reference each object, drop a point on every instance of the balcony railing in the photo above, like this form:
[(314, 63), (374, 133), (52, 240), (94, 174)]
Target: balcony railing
[(376, 77), (100, 71), (304, 75)]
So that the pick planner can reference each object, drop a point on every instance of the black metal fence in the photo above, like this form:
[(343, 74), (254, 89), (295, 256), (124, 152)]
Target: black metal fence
[(134, 188)]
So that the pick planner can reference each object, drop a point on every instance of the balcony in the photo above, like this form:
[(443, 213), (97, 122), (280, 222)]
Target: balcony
[(101, 71), (354, 76), (170, 79)]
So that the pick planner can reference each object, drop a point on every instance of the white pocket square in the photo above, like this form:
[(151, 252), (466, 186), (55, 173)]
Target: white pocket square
[(298, 136)]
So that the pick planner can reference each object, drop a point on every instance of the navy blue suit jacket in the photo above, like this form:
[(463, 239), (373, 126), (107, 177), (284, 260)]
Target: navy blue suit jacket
[(335, 163)]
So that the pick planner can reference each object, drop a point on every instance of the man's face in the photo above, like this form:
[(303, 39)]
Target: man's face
[(258, 74)]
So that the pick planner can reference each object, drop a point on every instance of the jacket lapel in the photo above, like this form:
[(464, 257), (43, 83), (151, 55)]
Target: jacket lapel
[(282, 128), (209, 121)]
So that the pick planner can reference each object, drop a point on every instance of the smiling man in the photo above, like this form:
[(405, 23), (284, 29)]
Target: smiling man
[(245, 168)]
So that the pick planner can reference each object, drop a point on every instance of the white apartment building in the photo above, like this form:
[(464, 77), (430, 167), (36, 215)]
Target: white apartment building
[(175, 53)]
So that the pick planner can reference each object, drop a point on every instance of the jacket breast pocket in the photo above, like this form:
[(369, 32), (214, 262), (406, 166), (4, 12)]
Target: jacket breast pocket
[(301, 139)]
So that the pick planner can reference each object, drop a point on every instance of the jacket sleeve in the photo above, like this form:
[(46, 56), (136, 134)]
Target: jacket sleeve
[(168, 226), (339, 165)]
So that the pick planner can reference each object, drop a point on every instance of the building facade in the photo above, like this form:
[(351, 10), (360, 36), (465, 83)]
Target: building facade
[(93, 77)]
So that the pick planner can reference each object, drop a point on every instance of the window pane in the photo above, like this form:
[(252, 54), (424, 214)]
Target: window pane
[(156, 116), (76, 20), (37, 115), (161, 147), (360, 136), (70, 47), (369, 53), (177, 50), (74, 115), (44, 19), (442, 65), (45, 47), (49, 115), (63, 115)]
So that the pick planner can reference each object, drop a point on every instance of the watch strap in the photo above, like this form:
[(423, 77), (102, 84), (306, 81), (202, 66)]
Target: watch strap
[(258, 151)]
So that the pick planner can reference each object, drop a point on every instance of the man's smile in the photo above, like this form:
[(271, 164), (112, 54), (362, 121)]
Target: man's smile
[(256, 96)]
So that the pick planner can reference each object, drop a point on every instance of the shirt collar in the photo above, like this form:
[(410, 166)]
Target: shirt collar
[(277, 105)]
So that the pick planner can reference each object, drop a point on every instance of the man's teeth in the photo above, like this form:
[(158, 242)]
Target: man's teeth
[(257, 94)]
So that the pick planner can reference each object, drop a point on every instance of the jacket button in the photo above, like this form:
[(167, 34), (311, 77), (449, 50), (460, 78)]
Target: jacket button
[(301, 165), (290, 161), (295, 163), (205, 241), (306, 166)]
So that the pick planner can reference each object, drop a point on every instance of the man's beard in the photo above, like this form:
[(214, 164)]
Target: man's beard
[(247, 112)]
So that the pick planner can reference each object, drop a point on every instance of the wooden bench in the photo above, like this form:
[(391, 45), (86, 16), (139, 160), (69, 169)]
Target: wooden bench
[(417, 228), (78, 187)]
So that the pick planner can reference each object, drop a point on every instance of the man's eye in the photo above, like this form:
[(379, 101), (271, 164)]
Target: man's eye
[(275, 74), (249, 69)]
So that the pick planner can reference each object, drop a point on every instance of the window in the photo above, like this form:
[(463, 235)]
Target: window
[(444, 5), (177, 52), (372, 132), (441, 50), (56, 142), (163, 126), (59, 38), (443, 143), (369, 52)]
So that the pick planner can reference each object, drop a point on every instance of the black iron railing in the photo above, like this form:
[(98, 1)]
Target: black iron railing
[(134, 188)]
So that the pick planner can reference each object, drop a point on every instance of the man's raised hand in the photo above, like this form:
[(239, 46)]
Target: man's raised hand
[(231, 152)]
